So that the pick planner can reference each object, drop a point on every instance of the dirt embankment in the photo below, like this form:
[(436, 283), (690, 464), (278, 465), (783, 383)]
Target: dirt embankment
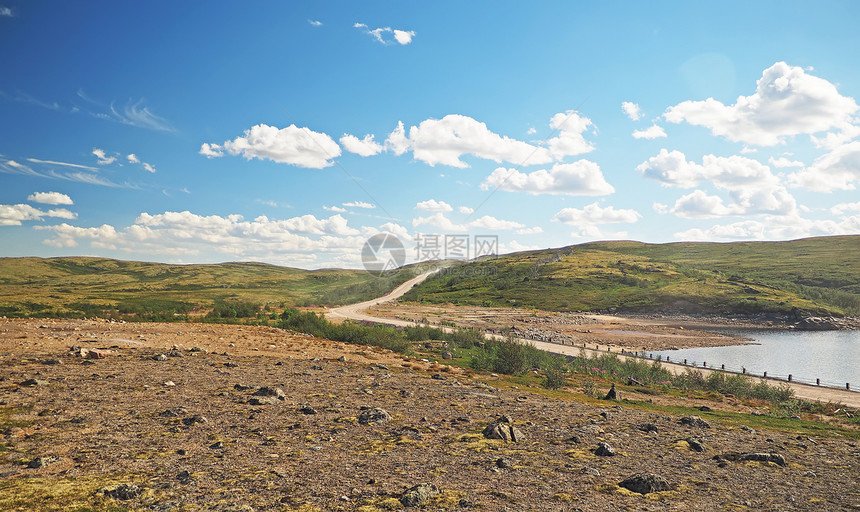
[(194, 430)]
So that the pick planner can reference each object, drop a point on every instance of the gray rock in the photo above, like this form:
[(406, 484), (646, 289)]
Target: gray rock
[(764, 457), (645, 483), (504, 429), (123, 492), (613, 394), (648, 427), (447, 355), (193, 420), (273, 392), (307, 409), (589, 471), (34, 382), (375, 415), (504, 463), (695, 421), (695, 444), (160, 357), (40, 462), (263, 400), (604, 450), (418, 495)]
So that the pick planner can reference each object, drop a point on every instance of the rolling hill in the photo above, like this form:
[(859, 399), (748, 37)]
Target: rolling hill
[(818, 276)]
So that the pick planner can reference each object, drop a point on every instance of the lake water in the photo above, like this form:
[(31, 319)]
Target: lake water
[(832, 356)]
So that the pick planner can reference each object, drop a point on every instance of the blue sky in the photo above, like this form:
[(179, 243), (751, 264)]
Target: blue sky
[(290, 132)]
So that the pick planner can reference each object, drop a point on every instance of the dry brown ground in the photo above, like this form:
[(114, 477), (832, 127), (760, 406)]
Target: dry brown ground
[(107, 420)]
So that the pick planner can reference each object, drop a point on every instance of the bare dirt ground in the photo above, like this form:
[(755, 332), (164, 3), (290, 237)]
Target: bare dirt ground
[(182, 432)]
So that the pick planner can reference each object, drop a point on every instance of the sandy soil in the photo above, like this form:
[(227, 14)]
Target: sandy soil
[(199, 444)]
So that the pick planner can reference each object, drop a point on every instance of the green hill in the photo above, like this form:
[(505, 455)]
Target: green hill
[(81, 286), (816, 275)]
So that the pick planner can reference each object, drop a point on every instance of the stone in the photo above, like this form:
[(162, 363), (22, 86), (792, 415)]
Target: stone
[(648, 427), (695, 444), (694, 421), (40, 462), (613, 394), (447, 355), (437, 376), (217, 445), (504, 429), (173, 413), (193, 420), (764, 457), (589, 471), (504, 463), (273, 392), (123, 492), (418, 495), (34, 382), (307, 409), (160, 357), (604, 450), (645, 483), (263, 400), (375, 415), (242, 387)]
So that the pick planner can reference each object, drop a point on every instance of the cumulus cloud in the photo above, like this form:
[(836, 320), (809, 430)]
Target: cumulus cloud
[(387, 35), (211, 150), (363, 147), (133, 159), (432, 205), (494, 224), (334, 209), (843, 208), (654, 132), (444, 141), (103, 158), (783, 162), (486, 222), (52, 198), (594, 214), (291, 145), (632, 110), (787, 102), (16, 214), (569, 141), (465, 210), (698, 204), (360, 204), (580, 178), (671, 168), (837, 170), (773, 228), (530, 231)]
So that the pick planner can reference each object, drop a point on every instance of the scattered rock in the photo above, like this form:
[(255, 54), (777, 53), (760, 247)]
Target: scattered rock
[(447, 355), (217, 445), (263, 400), (645, 483), (613, 394), (437, 376), (589, 471), (604, 450), (173, 413), (40, 462), (52, 361), (160, 357), (504, 429), (648, 427), (242, 387), (307, 409), (34, 382), (272, 392), (504, 463), (695, 444), (695, 421), (123, 492), (374, 415), (193, 420), (168, 383), (231, 365), (418, 495), (752, 456), (342, 359), (464, 503)]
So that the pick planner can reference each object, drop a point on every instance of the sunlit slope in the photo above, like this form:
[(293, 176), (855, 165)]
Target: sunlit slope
[(816, 276), (77, 286)]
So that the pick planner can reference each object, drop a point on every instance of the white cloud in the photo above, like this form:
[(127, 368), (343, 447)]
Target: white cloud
[(843, 208), (698, 204), (569, 140), (211, 150), (836, 170), (334, 209), (404, 36), (783, 162), (440, 221), (773, 228), (431, 205), (291, 145), (15, 214), (580, 178), (444, 141), (382, 34), (654, 132), (787, 102), (67, 235), (362, 147), (359, 204), (315, 23), (132, 158), (632, 110), (52, 198), (465, 210), (494, 224), (660, 208), (672, 169), (102, 157), (7, 12), (594, 214), (445, 224), (134, 114), (148, 167), (530, 231)]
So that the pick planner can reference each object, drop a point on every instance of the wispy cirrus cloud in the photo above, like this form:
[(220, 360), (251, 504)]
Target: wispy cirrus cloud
[(47, 169)]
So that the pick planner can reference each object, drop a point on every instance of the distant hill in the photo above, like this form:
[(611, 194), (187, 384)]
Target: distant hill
[(815, 275), (82, 286)]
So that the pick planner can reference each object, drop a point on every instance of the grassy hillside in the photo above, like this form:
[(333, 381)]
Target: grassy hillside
[(816, 275), (98, 286)]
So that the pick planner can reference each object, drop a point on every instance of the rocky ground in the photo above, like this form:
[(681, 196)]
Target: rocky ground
[(213, 417)]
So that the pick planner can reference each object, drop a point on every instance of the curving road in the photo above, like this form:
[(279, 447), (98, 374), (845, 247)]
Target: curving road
[(356, 312)]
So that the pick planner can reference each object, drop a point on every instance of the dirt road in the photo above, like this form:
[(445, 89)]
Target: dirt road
[(356, 312)]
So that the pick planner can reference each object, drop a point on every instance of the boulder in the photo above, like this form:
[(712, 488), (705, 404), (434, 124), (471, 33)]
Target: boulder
[(645, 483), (604, 450), (694, 421), (375, 415), (418, 495), (504, 429)]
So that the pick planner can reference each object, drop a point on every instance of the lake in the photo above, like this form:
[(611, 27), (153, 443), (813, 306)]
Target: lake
[(832, 356)]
